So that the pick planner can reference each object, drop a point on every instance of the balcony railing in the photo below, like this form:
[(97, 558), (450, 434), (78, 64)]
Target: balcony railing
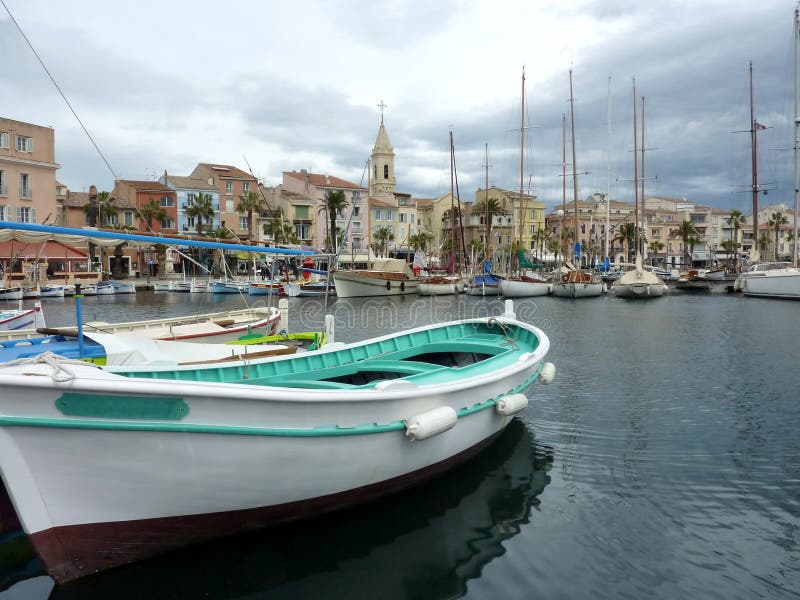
[(25, 193)]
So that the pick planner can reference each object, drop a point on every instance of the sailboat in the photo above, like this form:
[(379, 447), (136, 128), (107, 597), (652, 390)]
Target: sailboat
[(638, 283), (522, 285), (450, 282), (777, 279), (576, 283)]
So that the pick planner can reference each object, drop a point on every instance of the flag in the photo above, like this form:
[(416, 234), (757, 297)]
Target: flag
[(759, 126)]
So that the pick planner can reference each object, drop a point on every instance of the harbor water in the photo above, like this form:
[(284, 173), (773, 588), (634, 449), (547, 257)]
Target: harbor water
[(663, 462)]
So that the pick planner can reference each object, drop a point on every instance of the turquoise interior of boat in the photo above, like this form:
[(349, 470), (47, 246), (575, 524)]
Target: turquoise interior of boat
[(424, 357)]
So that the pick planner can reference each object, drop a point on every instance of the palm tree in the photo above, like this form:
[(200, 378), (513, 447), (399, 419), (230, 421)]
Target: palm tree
[(220, 233), (736, 219), (731, 247), (626, 236), (685, 231), (151, 211), (420, 240), (200, 207), (335, 202), (554, 246), (488, 208), (539, 239), (655, 247), (383, 236), (102, 206), (693, 241), (250, 203), (762, 243), (776, 220)]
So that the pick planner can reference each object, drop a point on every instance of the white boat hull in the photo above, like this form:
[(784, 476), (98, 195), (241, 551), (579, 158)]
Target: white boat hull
[(352, 284), (639, 290), (577, 290), (214, 458), (773, 284), (511, 288), (11, 293)]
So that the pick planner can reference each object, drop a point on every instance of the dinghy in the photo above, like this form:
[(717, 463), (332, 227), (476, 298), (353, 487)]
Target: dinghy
[(109, 466)]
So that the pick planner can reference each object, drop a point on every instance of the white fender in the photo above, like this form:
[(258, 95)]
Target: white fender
[(548, 373), (433, 422), (511, 404)]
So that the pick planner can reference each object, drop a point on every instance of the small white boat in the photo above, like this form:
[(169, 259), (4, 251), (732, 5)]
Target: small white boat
[(53, 291), (32, 292), (524, 287), (191, 287), (19, 319), (90, 289), (104, 288), (484, 285), (639, 283), (11, 293), (388, 277), (120, 287), (446, 285), (770, 279), (162, 286), (195, 452), (578, 284), (264, 289), (228, 287), (308, 289)]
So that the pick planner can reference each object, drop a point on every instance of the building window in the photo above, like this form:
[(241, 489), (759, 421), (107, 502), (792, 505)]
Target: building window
[(242, 222), (26, 214), (3, 191), (3, 139), (245, 187), (374, 171), (166, 201), (302, 231), (167, 223), (5, 213), (228, 187), (356, 243), (402, 217), (190, 221), (356, 211), (301, 214), (386, 171), (191, 198), (656, 232), (229, 206), (128, 218), (378, 214), (23, 143), (533, 229), (24, 187)]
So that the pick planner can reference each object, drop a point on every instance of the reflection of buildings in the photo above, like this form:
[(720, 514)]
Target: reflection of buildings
[(427, 542)]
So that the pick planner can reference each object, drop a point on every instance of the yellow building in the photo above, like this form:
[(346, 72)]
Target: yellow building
[(521, 219)]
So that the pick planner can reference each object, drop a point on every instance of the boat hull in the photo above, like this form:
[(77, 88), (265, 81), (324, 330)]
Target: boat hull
[(773, 284), (14, 293), (352, 284), (523, 289), (104, 469), (577, 290), (639, 290)]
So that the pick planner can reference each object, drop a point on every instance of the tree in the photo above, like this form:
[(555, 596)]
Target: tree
[(776, 220), (655, 247), (335, 202), (626, 236), (685, 231), (488, 208), (735, 219), (280, 230), (220, 233), (554, 246), (731, 248), (420, 240), (539, 240), (250, 203), (200, 207), (383, 236), (151, 211), (762, 243), (102, 206)]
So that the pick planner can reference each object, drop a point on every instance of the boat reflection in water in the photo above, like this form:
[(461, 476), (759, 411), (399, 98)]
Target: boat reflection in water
[(424, 543)]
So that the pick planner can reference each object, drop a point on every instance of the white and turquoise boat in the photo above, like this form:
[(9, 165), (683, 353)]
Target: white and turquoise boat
[(106, 467)]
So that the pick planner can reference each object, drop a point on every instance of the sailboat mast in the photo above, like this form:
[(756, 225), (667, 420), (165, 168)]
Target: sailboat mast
[(574, 164), (641, 196), (563, 183), (635, 173), (608, 183), (754, 253), (521, 157), (452, 202), (796, 132), (487, 251)]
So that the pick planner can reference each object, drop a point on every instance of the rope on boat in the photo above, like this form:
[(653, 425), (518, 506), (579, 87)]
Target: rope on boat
[(56, 362), (506, 331)]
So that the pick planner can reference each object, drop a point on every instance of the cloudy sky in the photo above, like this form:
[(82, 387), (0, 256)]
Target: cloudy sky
[(165, 85)]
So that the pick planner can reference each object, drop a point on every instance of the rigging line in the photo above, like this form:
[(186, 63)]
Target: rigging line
[(41, 62)]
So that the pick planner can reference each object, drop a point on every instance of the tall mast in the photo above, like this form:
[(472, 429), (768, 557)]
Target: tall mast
[(521, 158), (635, 173), (486, 247), (796, 124), (641, 196), (452, 202), (574, 164), (608, 183), (754, 253), (563, 184)]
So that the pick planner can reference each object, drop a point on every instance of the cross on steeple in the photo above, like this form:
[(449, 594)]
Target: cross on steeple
[(382, 106)]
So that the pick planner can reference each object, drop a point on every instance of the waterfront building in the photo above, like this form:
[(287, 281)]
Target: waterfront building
[(506, 227), (188, 189), (27, 172), (231, 184), (315, 186), (298, 211), (128, 192)]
